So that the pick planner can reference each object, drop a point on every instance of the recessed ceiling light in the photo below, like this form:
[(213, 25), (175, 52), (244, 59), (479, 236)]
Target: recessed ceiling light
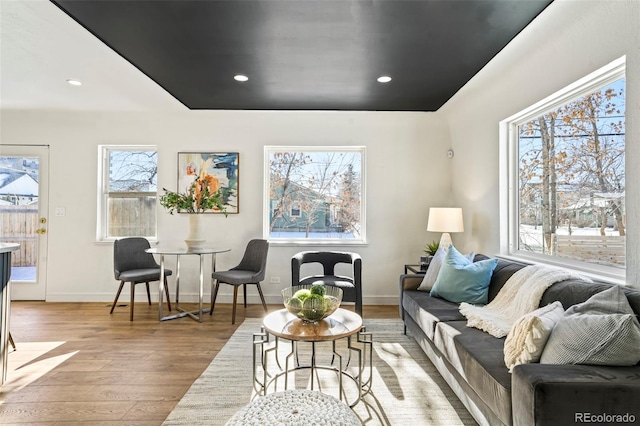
[(240, 77), (74, 82), (384, 79)]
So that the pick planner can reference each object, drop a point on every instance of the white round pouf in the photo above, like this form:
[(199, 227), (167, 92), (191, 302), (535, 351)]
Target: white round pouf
[(296, 407)]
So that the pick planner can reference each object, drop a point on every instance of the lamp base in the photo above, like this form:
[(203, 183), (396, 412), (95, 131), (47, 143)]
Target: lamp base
[(445, 241)]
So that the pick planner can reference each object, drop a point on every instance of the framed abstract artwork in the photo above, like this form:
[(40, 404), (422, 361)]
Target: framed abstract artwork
[(220, 169)]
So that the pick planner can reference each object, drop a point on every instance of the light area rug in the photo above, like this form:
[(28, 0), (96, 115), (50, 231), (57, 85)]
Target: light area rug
[(406, 389)]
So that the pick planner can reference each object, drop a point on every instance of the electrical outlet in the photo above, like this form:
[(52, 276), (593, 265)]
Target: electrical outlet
[(275, 280), (60, 211)]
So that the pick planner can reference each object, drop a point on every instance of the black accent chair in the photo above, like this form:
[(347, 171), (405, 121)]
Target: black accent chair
[(250, 270), (132, 264), (351, 286)]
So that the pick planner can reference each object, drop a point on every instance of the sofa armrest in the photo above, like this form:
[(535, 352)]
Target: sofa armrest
[(546, 394), (408, 282)]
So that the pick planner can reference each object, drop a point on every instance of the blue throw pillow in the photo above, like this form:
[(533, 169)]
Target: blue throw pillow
[(461, 280)]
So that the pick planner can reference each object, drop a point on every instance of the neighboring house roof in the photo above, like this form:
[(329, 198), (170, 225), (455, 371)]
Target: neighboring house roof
[(14, 182), (609, 196), (309, 192), (599, 199)]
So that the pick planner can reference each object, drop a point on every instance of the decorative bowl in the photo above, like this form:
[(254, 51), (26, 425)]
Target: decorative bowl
[(312, 303)]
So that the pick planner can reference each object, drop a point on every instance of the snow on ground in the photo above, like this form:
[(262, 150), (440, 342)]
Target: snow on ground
[(531, 236)]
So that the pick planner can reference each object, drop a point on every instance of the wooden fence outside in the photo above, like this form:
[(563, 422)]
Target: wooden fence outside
[(19, 225), (604, 250), (132, 217)]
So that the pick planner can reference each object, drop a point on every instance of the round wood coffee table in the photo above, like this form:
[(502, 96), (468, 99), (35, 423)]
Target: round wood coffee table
[(342, 324)]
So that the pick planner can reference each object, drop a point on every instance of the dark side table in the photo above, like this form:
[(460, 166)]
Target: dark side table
[(415, 269)]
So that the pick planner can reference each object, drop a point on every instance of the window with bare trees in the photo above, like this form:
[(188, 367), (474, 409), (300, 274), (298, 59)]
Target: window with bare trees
[(567, 174), (314, 194), (128, 180)]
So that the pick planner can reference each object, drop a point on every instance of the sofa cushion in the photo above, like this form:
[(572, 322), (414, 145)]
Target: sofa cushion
[(501, 274), (461, 280), (427, 311), (602, 331), (571, 292), (478, 357), (547, 394)]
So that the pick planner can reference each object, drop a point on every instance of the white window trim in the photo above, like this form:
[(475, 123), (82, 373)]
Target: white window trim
[(509, 167), (102, 190), (362, 241)]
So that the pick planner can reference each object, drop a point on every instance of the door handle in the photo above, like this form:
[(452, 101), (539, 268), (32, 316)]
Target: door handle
[(41, 231)]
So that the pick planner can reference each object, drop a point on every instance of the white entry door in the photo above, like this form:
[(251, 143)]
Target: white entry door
[(24, 176)]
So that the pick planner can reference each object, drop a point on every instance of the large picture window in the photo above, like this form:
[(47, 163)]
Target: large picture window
[(314, 195), (567, 169), (128, 184)]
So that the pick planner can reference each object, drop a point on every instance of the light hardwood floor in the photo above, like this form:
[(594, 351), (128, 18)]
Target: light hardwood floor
[(76, 364)]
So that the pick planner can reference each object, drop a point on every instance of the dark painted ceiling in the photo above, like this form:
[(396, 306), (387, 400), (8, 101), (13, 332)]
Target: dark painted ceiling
[(307, 54)]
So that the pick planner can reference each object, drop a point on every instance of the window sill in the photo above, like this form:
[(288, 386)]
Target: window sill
[(108, 241), (315, 243)]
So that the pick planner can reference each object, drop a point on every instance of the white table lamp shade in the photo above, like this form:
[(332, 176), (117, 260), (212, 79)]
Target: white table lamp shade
[(445, 220)]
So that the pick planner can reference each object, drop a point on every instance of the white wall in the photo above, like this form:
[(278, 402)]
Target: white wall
[(569, 40), (408, 171), (400, 163)]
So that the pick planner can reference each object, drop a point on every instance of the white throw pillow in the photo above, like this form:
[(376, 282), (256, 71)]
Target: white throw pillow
[(434, 268), (603, 330), (529, 334), (432, 271)]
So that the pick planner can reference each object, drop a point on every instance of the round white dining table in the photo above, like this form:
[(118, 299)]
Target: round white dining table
[(179, 252)]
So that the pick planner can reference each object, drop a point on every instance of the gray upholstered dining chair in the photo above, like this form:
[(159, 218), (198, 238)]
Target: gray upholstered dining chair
[(250, 270), (132, 264), (351, 286)]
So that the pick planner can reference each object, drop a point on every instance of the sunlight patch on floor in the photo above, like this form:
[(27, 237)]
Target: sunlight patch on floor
[(22, 367)]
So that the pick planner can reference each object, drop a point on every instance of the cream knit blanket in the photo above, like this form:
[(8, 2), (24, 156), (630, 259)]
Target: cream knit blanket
[(521, 294)]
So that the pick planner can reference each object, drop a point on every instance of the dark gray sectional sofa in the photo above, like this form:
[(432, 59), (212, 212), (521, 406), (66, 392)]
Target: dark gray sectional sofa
[(472, 362)]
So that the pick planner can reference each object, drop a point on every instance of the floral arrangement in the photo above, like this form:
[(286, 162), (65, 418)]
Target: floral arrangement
[(203, 194)]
